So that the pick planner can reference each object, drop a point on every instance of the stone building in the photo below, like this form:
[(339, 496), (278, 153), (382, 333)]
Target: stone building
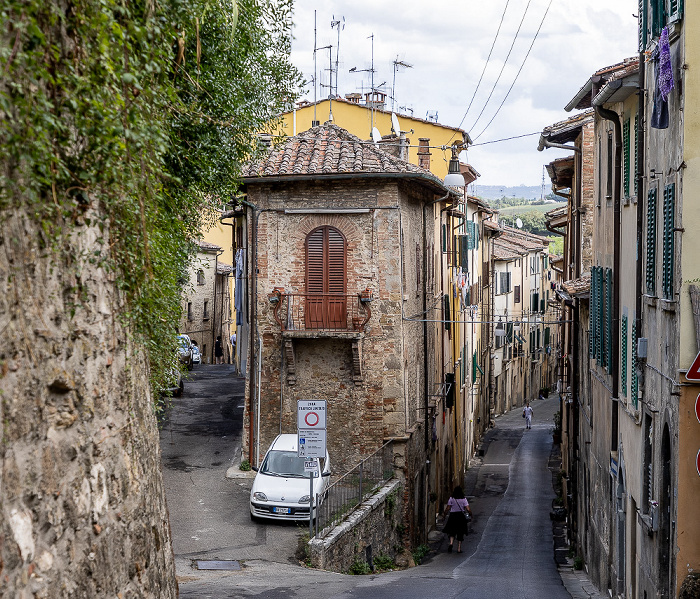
[(207, 306), (340, 237)]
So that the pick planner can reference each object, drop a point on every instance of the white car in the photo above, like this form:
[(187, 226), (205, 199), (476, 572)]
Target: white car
[(281, 487), (196, 355)]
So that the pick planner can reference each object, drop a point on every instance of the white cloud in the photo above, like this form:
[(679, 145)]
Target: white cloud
[(448, 43)]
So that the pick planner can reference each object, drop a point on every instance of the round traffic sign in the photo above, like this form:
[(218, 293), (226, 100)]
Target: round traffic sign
[(697, 407), (697, 462), (311, 419)]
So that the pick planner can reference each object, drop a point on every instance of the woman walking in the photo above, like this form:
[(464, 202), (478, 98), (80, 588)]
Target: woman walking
[(456, 511)]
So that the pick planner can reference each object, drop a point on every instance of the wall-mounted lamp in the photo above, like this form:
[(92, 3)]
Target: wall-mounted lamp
[(454, 176), (366, 296), (276, 295)]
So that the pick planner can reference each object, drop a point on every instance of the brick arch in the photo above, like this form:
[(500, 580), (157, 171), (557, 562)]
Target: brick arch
[(349, 230)]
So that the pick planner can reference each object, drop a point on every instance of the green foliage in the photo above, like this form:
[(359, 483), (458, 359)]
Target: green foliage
[(384, 562), (556, 245), (419, 553), (359, 567), (390, 504), (131, 120), (578, 563), (245, 466)]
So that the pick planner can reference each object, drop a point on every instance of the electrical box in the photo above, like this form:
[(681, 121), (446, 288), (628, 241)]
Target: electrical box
[(642, 343)]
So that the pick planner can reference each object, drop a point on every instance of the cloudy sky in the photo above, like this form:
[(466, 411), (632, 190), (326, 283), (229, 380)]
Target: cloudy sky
[(448, 43)]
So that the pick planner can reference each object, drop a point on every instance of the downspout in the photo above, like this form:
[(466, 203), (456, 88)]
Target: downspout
[(641, 107), (612, 116)]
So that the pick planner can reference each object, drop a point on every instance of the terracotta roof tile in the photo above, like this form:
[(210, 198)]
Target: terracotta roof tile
[(330, 150), (578, 286)]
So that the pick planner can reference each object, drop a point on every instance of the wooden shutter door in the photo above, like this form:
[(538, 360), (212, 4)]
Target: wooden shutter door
[(335, 280), (325, 279)]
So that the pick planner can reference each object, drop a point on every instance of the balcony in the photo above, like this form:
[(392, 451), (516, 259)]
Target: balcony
[(321, 314)]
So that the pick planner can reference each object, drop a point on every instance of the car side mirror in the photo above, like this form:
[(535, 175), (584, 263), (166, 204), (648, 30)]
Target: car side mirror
[(327, 473), (255, 468)]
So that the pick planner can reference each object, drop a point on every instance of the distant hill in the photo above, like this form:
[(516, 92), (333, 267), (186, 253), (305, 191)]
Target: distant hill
[(493, 192)]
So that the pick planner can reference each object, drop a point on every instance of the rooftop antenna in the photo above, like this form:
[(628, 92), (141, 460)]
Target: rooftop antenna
[(330, 80), (370, 70), (340, 24), (397, 63), (315, 122), (542, 196)]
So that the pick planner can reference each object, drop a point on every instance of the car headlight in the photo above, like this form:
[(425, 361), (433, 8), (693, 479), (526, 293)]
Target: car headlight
[(304, 499), (260, 496)]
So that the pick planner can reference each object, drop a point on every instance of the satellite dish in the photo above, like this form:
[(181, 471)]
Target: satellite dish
[(519, 223), (395, 124), (376, 136)]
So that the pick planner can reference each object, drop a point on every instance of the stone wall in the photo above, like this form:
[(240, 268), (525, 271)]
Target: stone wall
[(81, 496), (375, 528)]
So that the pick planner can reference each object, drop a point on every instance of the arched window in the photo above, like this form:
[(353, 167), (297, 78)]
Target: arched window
[(326, 278)]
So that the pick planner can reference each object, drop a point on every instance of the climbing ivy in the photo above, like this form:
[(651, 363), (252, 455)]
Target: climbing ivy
[(134, 117)]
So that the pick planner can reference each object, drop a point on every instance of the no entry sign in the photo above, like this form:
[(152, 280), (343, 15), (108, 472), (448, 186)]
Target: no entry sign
[(311, 414)]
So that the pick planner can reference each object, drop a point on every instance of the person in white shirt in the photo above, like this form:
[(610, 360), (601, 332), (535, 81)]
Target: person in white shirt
[(527, 414)]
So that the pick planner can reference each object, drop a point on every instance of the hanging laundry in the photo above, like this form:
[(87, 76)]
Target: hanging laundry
[(665, 75)]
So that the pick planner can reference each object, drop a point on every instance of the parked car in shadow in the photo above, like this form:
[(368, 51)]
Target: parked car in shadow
[(185, 350), (196, 355)]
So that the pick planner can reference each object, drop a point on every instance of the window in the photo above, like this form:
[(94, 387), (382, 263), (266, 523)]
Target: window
[(609, 172), (668, 240), (608, 319), (642, 24), (472, 236), (189, 310), (505, 279), (325, 279), (658, 16), (535, 302), (634, 385), (600, 345), (636, 153), (627, 161), (200, 277), (651, 243), (205, 313), (516, 294), (675, 10)]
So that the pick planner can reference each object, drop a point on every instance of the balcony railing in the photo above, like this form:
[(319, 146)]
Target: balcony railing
[(321, 311)]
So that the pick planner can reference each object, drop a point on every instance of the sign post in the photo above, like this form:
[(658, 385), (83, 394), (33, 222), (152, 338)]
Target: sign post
[(311, 437)]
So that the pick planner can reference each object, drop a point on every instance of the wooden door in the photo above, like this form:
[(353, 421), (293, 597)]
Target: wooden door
[(326, 304)]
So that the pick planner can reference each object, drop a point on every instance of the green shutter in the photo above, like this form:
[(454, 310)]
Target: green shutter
[(463, 252), (633, 365), (636, 152), (591, 319), (546, 337), (509, 332), (474, 368), (623, 356), (626, 150), (668, 240), (642, 25), (608, 318), (675, 11), (532, 342), (651, 243)]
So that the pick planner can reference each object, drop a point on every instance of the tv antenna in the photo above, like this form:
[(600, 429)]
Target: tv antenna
[(397, 64), (371, 71), (338, 23)]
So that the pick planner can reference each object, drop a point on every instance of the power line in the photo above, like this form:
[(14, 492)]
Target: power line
[(518, 73), (488, 58), (505, 62), (495, 141)]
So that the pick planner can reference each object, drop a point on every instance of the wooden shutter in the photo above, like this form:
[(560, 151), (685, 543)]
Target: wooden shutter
[(668, 240), (326, 278), (608, 317), (675, 10), (626, 149), (636, 152), (642, 25), (623, 356), (651, 243), (634, 387)]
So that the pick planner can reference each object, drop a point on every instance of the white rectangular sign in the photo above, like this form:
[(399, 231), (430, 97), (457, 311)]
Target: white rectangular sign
[(310, 465), (311, 414), (312, 443)]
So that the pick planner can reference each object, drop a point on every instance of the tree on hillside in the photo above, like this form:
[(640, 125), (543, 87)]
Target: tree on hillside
[(121, 124)]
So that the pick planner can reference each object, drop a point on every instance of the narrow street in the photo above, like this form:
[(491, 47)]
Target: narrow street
[(508, 552)]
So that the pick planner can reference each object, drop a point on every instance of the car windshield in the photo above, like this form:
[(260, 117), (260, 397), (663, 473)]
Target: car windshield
[(183, 343), (283, 463)]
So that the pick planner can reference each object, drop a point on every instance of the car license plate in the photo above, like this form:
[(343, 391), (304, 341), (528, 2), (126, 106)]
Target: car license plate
[(281, 510)]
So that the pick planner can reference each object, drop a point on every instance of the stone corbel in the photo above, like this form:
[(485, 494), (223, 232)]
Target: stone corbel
[(357, 362), (291, 362)]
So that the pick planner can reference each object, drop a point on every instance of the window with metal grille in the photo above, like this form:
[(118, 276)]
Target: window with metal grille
[(668, 240), (651, 243), (627, 161), (623, 355), (325, 279)]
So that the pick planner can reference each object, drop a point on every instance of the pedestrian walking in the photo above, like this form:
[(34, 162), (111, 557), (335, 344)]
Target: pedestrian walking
[(527, 414), (233, 348), (218, 351), (458, 514)]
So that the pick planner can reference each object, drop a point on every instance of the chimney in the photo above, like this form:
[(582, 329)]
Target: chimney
[(354, 98), (265, 140), (424, 153), (404, 142)]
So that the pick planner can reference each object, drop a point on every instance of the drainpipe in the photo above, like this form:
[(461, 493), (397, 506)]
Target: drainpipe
[(612, 116), (641, 107)]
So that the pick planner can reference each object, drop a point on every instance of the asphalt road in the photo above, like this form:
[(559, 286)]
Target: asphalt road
[(507, 554)]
